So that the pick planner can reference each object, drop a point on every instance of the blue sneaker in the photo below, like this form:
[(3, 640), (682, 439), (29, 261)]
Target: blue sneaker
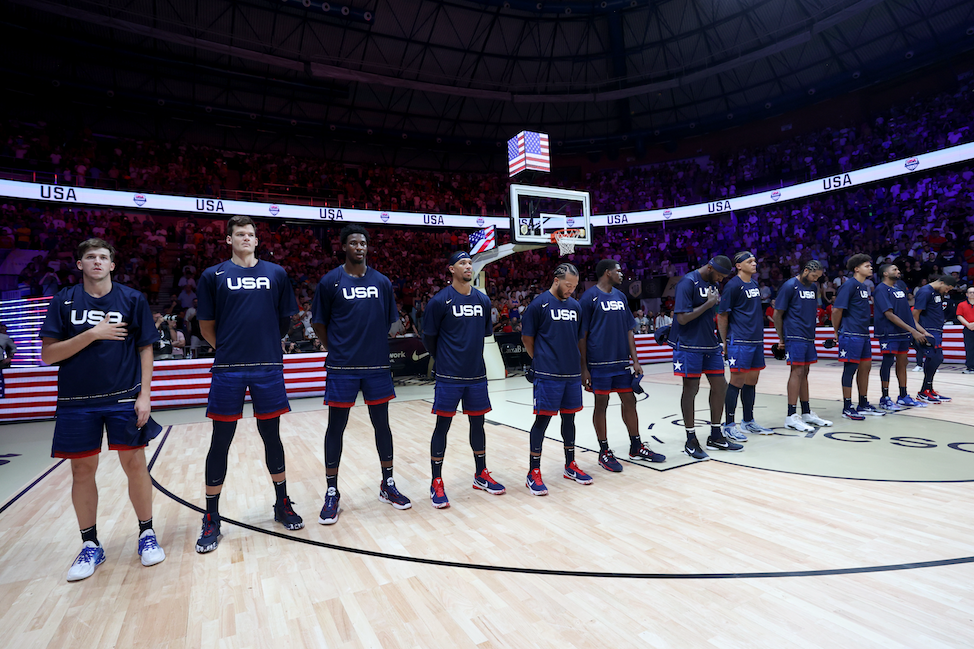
[(209, 534), (438, 495), (572, 472), (389, 494), (331, 509), (733, 433), (84, 565), (645, 453), (535, 483), (485, 482), (285, 515), (149, 549), (887, 404), (870, 409), (852, 413), (941, 397), (608, 461), (756, 429), (910, 402)]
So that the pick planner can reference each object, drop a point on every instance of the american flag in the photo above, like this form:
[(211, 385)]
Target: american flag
[(528, 150), (482, 240)]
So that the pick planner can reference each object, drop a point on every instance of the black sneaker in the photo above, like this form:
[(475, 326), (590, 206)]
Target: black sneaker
[(210, 534), (723, 444), (692, 448), (284, 514)]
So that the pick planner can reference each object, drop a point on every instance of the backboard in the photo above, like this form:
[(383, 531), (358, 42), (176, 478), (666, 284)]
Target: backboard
[(538, 212)]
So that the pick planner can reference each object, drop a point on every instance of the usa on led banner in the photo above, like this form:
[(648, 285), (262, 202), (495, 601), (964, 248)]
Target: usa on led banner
[(218, 207)]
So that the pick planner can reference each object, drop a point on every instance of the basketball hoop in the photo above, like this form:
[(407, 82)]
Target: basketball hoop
[(566, 239)]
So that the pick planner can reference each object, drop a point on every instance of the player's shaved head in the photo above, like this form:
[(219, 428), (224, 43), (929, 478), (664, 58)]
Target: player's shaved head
[(604, 266)]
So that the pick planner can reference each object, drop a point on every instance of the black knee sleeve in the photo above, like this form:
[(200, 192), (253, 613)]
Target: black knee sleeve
[(884, 369), (537, 432), (568, 429), (730, 401), (379, 414), (478, 438), (848, 373), (438, 443), (337, 420), (216, 458), (270, 432)]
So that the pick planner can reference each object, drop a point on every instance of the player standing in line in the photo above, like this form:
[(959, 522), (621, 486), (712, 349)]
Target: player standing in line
[(353, 308), (607, 346), (456, 321), (244, 308), (893, 328), (740, 321), (7, 350), (795, 313), (100, 334), (850, 319), (551, 330), (928, 313), (696, 351)]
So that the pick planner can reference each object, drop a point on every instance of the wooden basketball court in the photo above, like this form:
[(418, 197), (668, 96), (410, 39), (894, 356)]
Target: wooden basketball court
[(848, 540)]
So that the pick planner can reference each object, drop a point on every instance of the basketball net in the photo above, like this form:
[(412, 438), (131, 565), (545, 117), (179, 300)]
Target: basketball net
[(566, 239)]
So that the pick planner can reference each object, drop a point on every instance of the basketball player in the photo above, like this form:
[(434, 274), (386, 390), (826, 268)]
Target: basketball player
[(7, 350), (696, 351), (893, 329), (551, 330), (456, 321), (850, 319), (353, 308), (795, 313), (244, 308), (100, 335), (928, 312), (607, 346), (740, 320)]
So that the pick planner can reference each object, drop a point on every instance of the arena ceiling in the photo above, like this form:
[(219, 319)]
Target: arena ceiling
[(472, 74)]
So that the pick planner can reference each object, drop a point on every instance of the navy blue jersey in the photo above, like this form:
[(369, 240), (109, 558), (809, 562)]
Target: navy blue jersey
[(853, 299), (606, 323), (246, 305), (460, 322), (357, 313), (556, 326), (931, 305), (886, 298), (800, 308), (106, 370), (699, 334), (745, 314)]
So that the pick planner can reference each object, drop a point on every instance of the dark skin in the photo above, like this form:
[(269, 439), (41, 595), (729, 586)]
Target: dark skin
[(890, 277), (718, 384), (356, 249), (798, 378), (612, 278)]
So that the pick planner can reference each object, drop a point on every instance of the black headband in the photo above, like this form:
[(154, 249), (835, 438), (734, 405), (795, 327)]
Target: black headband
[(457, 256), (719, 267), (742, 256)]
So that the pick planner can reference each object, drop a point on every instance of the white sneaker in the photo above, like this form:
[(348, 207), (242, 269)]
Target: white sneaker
[(917, 368), (795, 422), (149, 549), (91, 557), (815, 420)]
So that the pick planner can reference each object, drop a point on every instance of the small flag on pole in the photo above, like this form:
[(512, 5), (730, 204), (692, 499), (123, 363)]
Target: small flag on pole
[(482, 240), (528, 150)]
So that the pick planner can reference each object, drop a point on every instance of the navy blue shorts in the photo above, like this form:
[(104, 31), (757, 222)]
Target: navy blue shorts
[(691, 364), (228, 389), (800, 352), (745, 357), (78, 429), (447, 396), (889, 345), (614, 383), (938, 338), (342, 389), (552, 397), (853, 349)]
